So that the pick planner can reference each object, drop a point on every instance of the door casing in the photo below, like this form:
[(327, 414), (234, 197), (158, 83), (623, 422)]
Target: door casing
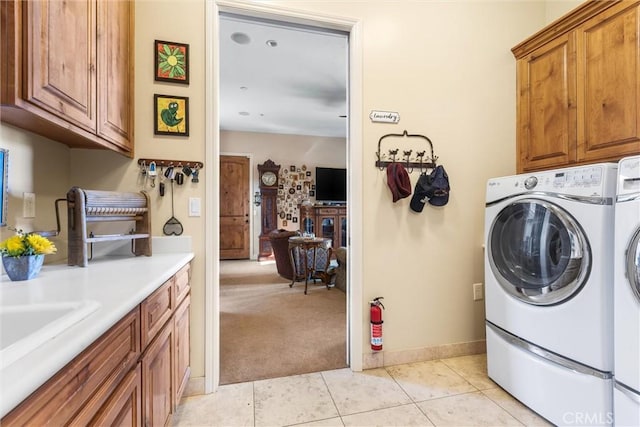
[(355, 321)]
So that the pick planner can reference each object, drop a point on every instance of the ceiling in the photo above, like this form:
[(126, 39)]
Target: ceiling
[(282, 78)]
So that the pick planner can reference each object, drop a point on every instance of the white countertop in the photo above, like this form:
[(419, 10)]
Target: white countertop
[(116, 283)]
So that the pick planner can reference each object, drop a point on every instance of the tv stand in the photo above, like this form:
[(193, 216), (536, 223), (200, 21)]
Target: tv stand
[(328, 221)]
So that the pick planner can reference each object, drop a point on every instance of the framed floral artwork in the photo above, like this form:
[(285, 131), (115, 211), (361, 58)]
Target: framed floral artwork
[(172, 62), (171, 115)]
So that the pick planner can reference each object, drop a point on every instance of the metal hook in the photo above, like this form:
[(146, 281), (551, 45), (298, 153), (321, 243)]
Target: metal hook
[(420, 155), (393, 154), (407, 155)]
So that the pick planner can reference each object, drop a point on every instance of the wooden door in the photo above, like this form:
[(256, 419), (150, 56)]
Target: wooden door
[(62, 60), (234, 207), (609, 82), (546, 131)]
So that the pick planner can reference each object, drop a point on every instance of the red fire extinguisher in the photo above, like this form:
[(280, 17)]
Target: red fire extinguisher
[(376, 323)]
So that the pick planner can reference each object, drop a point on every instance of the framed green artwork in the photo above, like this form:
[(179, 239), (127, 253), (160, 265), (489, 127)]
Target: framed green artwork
[(172, 62), (171, 115)]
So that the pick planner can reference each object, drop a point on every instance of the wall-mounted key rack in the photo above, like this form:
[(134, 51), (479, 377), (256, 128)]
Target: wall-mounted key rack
[(420, 160), (171, 163)]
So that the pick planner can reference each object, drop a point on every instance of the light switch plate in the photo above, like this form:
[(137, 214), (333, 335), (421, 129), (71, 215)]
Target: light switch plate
[(29, 205), (194, 206)]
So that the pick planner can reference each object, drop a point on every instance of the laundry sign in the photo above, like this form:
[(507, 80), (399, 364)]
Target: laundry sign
[(384, 116)]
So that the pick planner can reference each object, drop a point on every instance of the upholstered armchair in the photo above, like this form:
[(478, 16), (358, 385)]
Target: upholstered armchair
[(316, 254), (280, 245), (341, 269)]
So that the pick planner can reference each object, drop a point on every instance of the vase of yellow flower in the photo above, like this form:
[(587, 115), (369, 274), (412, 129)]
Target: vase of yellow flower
[(23, 254)]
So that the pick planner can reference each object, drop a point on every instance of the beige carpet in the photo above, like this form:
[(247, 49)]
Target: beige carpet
[(269, 330)]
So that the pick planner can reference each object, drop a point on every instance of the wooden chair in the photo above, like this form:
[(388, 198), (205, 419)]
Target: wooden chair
[(310, 259)]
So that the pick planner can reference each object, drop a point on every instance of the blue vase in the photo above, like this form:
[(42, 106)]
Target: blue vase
[(24, 267)]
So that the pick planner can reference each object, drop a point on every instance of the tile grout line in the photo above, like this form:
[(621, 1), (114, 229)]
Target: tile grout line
[(253, 396), (413, 402), (324, 380)]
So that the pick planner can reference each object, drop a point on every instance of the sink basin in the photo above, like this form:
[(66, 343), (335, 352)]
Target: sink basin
[(25, 327)]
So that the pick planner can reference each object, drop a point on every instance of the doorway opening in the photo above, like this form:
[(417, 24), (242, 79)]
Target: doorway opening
[(213, 150), (292, 116)]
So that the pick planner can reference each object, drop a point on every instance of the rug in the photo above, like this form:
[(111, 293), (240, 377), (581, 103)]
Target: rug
[(269, 330)]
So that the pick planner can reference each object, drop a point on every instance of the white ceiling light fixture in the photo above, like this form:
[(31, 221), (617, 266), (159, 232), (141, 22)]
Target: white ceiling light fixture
[(240, 38), (244, 113), (298, 86)]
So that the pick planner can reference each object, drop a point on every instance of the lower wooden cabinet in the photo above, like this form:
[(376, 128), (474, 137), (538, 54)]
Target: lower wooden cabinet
[(182, 353), (132, 375), (124, 408), (158, 378), (79, 390)]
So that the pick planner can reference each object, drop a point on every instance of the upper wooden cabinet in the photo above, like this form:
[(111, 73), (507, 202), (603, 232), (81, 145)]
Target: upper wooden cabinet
[(68, 73), (578, 88)]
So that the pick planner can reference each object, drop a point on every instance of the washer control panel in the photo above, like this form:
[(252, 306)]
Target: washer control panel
[(583, 177), (595, 180), (530, 183)]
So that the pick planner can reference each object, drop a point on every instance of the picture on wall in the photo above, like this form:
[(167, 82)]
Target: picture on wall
[(172, 62), (4, 188), (171, 115)]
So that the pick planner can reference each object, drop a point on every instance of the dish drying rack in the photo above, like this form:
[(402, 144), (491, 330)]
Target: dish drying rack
[(87, 206)]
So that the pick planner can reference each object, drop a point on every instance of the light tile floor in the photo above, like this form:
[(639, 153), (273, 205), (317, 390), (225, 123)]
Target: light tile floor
[(447, 392)]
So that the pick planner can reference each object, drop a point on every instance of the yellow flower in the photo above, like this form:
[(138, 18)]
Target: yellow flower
[(14, 246), (25, 244), (40, 245)]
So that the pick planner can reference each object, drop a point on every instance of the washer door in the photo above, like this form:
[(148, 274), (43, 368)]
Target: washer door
[(633, 263), (538, 252)]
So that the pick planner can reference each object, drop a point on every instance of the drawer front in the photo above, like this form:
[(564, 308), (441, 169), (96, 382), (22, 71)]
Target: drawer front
[(124, 407), (328, 211), (156, 310), (69, 395), (183, 280)]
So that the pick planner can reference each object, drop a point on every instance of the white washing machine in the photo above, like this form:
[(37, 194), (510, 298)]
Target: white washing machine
[(626, 395), (549, 296)]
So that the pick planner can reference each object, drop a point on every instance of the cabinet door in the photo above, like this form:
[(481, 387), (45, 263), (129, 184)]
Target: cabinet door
[(546, 84), (327, 227), (61, 58), (157, 378), (609, 82), (342, 231), (124, 408), (115, 72), (75, 394), (182, 351)]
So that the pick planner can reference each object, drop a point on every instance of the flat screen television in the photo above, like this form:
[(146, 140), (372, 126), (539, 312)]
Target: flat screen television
[(331, 185)]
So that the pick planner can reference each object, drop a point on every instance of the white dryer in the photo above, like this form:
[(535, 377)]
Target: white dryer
[(627, 295), (549, 298)]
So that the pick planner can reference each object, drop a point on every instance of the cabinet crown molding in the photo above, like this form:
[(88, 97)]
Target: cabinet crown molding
[(564, 24)]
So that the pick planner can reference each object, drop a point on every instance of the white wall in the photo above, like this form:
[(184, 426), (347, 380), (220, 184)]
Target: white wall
[(446, 67), (41, 166), (284, 150), (557, 8)]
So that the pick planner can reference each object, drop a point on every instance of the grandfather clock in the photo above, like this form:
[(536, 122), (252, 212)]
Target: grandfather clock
[(269, 172)]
